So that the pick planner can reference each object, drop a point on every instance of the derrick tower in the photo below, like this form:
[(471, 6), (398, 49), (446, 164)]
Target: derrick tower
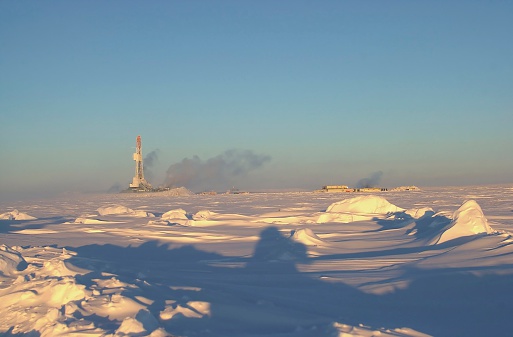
[(138, 182)]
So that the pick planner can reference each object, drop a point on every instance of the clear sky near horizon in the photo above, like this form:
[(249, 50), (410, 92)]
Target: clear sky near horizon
[(328, 92)]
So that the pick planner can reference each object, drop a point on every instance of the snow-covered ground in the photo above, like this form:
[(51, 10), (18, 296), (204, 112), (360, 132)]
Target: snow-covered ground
[(434, 262)]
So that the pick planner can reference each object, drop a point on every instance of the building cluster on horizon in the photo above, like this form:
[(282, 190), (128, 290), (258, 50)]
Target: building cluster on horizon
[(347, 189), (139, 183)]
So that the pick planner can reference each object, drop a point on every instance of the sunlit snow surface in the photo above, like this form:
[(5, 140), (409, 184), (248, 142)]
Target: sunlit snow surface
[(436, 262)]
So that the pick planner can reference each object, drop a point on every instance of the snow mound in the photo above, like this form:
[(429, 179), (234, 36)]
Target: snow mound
[(57, 268), (467, 220), (307, 237), (113, 306), (417, 213), (179, 191), (177, 217), (140, 325), (367, 204), (61, 291), (11, 261), (122, 210), (143, 214), (203, 215), (175, 214), (359, 208), (158, 223), (42, 293), (16, 215), (88, 221), (191, 309), (114, 210)]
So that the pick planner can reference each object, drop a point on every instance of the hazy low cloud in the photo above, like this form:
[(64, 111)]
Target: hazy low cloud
[(219, 172)]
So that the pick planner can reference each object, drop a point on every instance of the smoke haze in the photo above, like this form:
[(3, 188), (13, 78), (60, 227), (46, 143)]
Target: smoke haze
[(149, 163), (371, 181), (219, 172), (115, 188)]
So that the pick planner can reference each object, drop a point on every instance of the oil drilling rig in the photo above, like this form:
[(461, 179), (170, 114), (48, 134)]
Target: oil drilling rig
[(138, 181)]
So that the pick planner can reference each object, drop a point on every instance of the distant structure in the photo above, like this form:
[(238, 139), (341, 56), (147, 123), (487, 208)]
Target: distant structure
[(344, 188), (406, 188), (336, 188), (138, 182)]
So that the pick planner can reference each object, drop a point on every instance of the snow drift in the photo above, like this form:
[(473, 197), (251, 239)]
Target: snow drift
[(10, 261), (203, 215), (417, 213), (467, 220), (122, 210), (175, 214), (16, 215), (359, 208), (231, 273), (89, 221), (307, 237)]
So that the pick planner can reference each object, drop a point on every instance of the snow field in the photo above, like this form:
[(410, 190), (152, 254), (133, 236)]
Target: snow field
[(291, 264)]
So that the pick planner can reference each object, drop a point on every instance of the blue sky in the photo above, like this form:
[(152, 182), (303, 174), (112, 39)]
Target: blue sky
[(331, 91)]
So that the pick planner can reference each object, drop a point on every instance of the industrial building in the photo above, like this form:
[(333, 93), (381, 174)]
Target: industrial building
[(337, 188), (344, 188)]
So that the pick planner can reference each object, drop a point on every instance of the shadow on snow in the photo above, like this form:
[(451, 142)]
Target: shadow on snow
[(13, 226), (266, 294)]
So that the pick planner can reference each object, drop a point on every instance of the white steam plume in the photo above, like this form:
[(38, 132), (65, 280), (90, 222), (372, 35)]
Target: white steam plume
[(149, 162), (218, 172)]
